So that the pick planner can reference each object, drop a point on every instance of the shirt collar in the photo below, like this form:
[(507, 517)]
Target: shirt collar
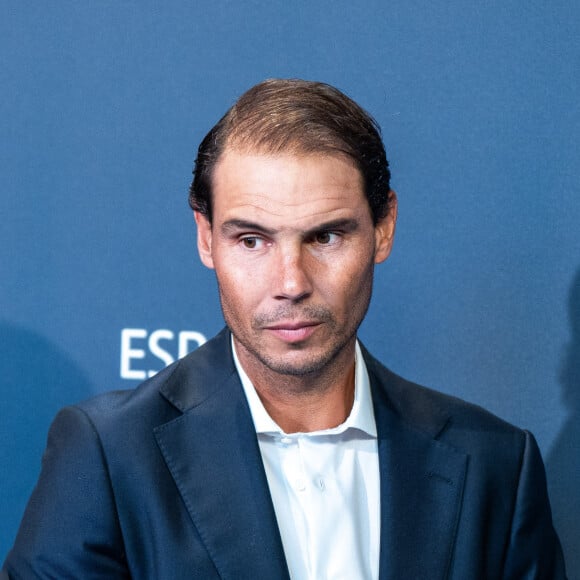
[(361, 416)]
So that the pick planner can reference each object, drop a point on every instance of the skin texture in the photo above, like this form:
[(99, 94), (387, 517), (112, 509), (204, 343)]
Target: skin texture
[(294, 248)]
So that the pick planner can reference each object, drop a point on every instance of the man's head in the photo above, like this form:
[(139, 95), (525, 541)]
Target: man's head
[(293, 211), (296, 117)]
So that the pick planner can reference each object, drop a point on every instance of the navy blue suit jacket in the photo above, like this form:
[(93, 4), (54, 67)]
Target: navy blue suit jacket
[(166, 481)]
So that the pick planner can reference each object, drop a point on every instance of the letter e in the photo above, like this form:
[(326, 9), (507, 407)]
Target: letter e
[(128, 353)]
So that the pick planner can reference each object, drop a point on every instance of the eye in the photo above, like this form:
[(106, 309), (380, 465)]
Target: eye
[(325, 238), (252, 242)]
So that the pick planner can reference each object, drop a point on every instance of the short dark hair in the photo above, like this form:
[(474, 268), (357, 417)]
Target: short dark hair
[(296, 116)]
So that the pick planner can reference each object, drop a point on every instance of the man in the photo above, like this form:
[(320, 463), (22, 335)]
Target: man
[(282, 448)]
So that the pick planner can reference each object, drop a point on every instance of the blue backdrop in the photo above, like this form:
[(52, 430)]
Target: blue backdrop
[(103, 105)]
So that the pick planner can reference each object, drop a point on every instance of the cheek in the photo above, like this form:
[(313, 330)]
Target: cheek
[(346, 285), (239, 287)]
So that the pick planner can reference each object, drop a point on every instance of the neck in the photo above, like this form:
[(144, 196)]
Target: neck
[(305, 403)]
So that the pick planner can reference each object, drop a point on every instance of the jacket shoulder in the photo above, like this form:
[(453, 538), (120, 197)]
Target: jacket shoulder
[(169, 393), (444, 417)]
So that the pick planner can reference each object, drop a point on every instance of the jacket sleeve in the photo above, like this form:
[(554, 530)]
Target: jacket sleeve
[(534, 551), (70, 527)]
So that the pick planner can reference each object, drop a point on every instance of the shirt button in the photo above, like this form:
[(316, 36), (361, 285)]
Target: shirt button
[(300, 485), (321, 484), (286, 440)]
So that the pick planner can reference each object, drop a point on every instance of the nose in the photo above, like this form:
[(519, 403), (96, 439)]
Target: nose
[(292, 274)]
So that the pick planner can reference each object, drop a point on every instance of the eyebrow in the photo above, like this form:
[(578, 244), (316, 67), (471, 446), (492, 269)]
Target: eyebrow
[(230, 226), (346, 225)]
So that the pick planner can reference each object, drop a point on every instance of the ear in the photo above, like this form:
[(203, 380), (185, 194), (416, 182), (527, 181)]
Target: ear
[(204, 239), (385, 230)]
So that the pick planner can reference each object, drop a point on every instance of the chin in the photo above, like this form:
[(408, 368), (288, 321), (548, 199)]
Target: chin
[(297, 364)]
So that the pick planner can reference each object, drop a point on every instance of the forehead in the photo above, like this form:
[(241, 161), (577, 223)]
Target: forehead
[(287, 186)]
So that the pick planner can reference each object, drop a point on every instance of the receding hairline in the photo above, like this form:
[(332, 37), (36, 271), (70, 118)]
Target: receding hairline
[(296, 117), (265, 141), (294, 148), (296, 152)]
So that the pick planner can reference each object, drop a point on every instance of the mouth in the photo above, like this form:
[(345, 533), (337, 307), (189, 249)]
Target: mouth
[(295, 331)]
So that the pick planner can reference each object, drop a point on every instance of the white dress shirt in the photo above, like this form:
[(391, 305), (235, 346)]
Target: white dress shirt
[(325, 488)]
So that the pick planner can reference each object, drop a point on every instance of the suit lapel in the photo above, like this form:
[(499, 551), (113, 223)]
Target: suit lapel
[(421, 484), (213, 455)]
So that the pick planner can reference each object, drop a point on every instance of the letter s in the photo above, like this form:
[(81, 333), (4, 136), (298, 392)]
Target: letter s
[(159, 352)]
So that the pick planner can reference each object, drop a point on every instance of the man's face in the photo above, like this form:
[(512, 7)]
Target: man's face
[(294, 247)]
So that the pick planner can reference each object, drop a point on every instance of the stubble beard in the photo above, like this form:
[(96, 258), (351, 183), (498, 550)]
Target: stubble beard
[(313, 366)]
